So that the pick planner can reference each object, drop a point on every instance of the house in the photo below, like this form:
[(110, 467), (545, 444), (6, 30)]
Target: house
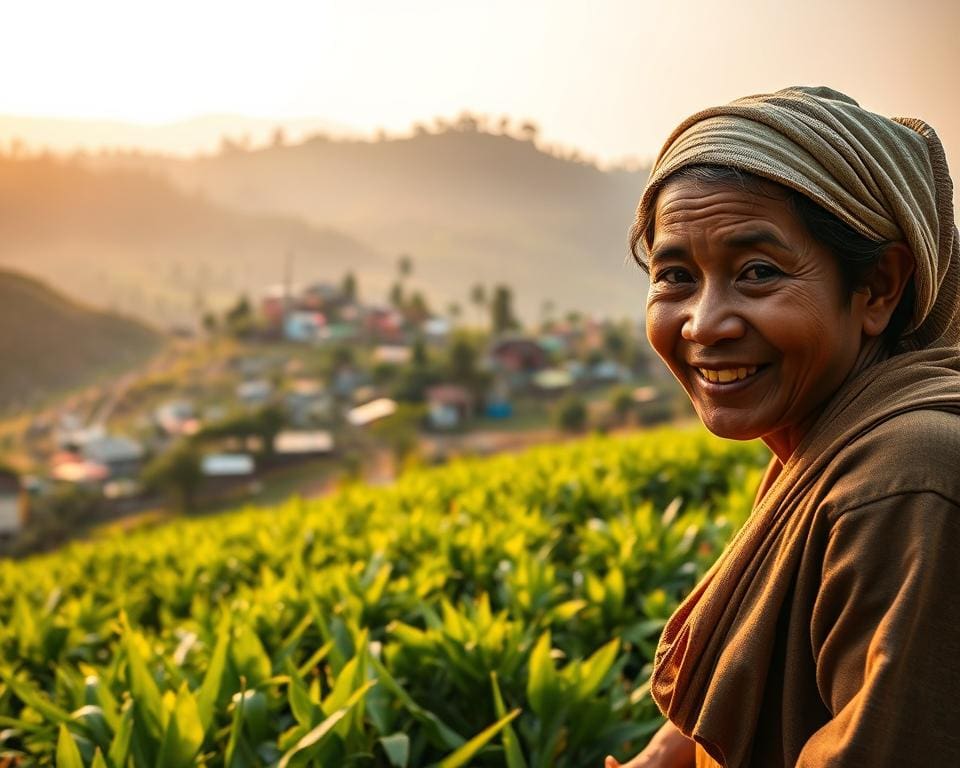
[(517, 355), (371, 412), (71, 467), (120, 455), (515, 360), (72, 434), (384, 324), (322, 296), (307, 401), (303, 325), (348, 380), (13, 503), (436, 329), (254, 392), (176, 418), (332, 333), (392, 354), (553, 380), (303, 443), (216, 465), (609, 371), (448, 406)]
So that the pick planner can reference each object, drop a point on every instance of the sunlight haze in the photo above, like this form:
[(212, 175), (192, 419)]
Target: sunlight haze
[(610, 79)]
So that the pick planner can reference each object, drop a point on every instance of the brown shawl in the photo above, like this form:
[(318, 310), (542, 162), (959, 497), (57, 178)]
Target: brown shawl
[(718, 657)]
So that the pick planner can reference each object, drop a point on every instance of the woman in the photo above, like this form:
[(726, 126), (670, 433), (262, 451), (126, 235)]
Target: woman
[(805, 290)]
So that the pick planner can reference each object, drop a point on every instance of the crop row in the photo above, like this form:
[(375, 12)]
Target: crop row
[(495, 612)]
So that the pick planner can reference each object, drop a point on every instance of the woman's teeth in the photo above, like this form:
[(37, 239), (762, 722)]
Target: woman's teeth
[(726, 375)]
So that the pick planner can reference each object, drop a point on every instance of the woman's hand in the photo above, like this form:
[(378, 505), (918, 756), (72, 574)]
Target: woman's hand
[(667, 749)]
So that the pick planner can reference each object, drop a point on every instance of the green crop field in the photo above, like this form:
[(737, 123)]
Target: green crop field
[(500, 612)]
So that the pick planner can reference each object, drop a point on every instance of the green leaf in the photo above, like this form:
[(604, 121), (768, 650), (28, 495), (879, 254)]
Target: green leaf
[(594, 669), (98, 761), (236, 725), (314, 740), (462, 756), (315, 659), (209, 691), (543, 687), (184, 734), (249, 658), (438, 731), (68, 756), (305, 710), (37, 701), (397, 748), (143, 687), (567, 610), (511, 746), (120, 747)]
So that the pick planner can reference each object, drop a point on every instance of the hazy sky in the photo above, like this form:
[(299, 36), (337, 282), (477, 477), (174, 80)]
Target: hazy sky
[(611, 78)]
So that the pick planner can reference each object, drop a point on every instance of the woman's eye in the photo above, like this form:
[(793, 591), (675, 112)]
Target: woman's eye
[(673, 276), (760, 272)]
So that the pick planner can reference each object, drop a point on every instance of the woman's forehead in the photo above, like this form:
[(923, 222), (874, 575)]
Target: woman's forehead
[(684, 206)]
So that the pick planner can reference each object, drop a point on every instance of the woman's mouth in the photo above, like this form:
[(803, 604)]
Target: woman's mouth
[(727, 375)]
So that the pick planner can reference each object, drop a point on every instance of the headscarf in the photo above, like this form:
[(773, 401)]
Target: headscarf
[(887, 178)]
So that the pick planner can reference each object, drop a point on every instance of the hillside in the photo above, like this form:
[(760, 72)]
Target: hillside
[(466, 205), (50, 344), (382, 626), (131, 241)]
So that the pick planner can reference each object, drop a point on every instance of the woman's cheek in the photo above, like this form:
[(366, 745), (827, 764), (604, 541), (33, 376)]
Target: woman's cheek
[(663, 328)]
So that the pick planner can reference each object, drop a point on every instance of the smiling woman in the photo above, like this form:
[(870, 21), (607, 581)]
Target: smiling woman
[(805, 290)]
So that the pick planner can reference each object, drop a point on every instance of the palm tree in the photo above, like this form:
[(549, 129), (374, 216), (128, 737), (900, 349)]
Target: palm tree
[(478, 297)]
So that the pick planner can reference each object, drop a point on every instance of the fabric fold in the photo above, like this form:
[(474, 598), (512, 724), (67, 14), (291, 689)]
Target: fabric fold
[(712, 664)]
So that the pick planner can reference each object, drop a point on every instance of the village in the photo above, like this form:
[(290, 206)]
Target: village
[(300, 390)]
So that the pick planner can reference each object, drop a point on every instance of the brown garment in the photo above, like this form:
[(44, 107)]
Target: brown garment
[(828, 632)]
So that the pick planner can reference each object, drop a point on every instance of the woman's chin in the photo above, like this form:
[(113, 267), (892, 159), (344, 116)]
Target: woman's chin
[(732, 426)]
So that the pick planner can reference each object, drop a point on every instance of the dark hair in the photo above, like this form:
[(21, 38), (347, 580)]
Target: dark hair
[(856, 254)]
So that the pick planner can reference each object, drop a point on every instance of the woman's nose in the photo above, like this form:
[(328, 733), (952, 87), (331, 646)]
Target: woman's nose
[(712, 318)]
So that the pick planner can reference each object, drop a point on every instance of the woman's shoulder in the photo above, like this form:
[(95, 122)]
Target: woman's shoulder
[(917, 452)]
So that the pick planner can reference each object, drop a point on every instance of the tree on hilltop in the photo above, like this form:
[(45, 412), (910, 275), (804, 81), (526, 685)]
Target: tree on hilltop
[(177, 473), (478, 297), (502, 318)]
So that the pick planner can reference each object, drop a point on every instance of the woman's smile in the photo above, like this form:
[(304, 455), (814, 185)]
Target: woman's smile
[(727, 374)]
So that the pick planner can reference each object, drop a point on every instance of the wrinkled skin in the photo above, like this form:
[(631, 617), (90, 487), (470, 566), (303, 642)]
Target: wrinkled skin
[(737, 282)]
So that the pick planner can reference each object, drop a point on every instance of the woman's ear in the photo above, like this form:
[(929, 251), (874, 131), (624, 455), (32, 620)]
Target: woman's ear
[(885, 286)]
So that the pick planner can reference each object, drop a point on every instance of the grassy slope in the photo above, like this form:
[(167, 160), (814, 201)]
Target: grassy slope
[(50, 344)]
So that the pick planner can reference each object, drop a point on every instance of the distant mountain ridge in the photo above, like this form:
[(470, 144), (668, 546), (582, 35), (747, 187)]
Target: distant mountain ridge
[(467, 205), (183, 137), (165, 237), (50, 344)]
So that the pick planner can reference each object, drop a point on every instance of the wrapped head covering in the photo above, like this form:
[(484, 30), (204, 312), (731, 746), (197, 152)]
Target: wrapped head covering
[(886, 178)]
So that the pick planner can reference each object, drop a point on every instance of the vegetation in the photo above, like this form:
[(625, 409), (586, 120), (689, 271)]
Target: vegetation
[(488, 613), (50, 344), (177, 473), (572, 414)]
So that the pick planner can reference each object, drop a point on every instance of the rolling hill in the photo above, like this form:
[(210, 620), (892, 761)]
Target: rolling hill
[(130, 240), (50, 344), (467, 205)]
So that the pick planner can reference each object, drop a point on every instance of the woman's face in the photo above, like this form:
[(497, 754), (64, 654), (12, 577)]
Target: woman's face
[(748, 311)]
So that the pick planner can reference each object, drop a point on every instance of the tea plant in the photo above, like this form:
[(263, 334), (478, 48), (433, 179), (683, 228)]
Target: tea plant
[(498, 612)]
